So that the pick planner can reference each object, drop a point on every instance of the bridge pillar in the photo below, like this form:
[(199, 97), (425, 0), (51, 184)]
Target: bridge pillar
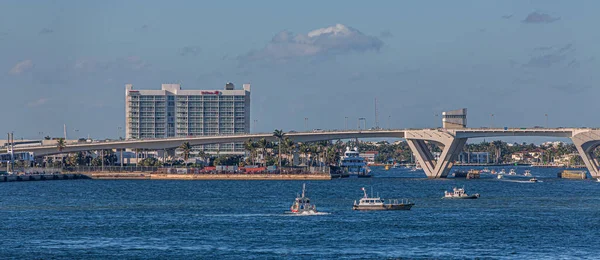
[(586, 142), (450, 145)]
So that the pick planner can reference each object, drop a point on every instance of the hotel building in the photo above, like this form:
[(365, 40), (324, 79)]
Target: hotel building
[(174, 112)]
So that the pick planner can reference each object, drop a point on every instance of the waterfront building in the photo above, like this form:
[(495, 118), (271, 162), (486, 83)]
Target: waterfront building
[(369, 156), (474, 157), (174, 112)]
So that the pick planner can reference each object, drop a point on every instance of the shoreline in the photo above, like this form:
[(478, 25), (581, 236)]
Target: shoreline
[(235, 176)]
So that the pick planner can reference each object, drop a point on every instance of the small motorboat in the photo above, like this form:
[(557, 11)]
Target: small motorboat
[(302, 204), (598, 179), (500, 176), (533, 180), (485, 170), (527, 173), (459, 193), (493, 172), (376, 203), (502, 171), (512, 172)]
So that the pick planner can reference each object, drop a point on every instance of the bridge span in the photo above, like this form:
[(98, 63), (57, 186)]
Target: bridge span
[(450, 141)]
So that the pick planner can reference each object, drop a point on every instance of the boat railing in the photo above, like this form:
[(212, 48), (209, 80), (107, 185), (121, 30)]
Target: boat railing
[(395, 201)]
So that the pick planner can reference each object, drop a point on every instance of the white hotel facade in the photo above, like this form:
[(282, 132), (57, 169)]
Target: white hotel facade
[(174, 112)]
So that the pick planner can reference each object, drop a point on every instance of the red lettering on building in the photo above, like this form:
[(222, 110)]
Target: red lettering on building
[(210, 92)]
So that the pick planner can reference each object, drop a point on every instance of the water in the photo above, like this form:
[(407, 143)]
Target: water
[(232, 219)]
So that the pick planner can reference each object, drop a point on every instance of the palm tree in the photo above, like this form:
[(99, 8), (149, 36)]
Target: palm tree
[(279, 135), (290, 146), (61, 144), (263, 144), (186, 148), (250, 146)]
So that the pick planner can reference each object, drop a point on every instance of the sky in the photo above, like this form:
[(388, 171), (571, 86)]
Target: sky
[(67, 62)]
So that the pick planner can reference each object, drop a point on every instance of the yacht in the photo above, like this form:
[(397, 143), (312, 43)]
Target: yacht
[(512, 172), (527, 173), (459, 193), (354, 165), (376, 203), (302, 204)]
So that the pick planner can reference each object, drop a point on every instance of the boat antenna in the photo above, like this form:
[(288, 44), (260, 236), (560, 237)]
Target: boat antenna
[(364, 191), (303, 188)]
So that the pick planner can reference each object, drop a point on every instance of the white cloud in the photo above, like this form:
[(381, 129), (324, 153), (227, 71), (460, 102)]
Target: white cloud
[(127, 63), (21, 67), (333, 40), (37, 103)]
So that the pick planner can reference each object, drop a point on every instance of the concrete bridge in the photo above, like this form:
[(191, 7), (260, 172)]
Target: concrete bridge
[(450, 141)]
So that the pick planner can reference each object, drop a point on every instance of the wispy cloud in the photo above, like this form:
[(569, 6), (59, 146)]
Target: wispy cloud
[(508, 16), (536, 17), (335, 40), (189, 51), (127, 63), (21, 67), (37, 103), (46, 31), (386, 34), (546, 57)]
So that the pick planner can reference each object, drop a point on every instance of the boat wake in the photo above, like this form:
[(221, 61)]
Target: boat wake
[(308, 214), (522, 181)]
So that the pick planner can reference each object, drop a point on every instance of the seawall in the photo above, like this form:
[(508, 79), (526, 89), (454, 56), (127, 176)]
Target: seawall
[(42, 177), (223, 176)]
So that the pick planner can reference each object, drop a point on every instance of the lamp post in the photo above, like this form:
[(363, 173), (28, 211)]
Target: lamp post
[(255, 121), (365, 121), (491, 120), (346, 123), (119, 132), (306, 124), (389, 119), (546, 120)]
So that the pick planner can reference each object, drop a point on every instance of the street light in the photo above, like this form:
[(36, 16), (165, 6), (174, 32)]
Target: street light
[(306, 124), (389, 119), (119, 132), (491, 120), (365, 121), (546, 120), (346, 123)]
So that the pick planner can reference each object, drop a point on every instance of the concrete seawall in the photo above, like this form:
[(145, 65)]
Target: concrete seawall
[(236, 176), (42, 177)]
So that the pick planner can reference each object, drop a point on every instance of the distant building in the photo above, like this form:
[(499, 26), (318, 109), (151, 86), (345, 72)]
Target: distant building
[(369, 156), (454, 119), (474, 157), (174, 112)]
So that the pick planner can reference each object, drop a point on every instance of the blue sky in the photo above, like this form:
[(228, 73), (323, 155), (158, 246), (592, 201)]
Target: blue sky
[(66, 62)]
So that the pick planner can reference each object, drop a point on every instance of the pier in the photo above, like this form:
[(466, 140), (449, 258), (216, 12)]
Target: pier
[(41, 177)]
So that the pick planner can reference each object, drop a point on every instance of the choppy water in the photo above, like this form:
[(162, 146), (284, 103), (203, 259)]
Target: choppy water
[(244, 219)]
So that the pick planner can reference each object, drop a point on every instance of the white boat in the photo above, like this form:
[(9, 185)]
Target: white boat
[(500, 176), (512, 172), (302, 204), (527, 173), (376, 203), (502, 171), (598, 179), (459, 193), (354, 165), (485, 170)]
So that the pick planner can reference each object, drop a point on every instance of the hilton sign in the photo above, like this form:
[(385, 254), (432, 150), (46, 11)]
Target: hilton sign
[(211, 92)]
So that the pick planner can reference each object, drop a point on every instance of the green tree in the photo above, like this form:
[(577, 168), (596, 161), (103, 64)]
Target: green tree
[(251, 146), (61, 144), (186, 149), (263, 144), (279, 135)]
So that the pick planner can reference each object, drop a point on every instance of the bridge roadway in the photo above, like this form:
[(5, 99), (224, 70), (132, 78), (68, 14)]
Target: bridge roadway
[(450, 141)]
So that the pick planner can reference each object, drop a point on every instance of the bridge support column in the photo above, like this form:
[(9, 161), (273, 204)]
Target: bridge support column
[(451, 148), (586, 143)]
